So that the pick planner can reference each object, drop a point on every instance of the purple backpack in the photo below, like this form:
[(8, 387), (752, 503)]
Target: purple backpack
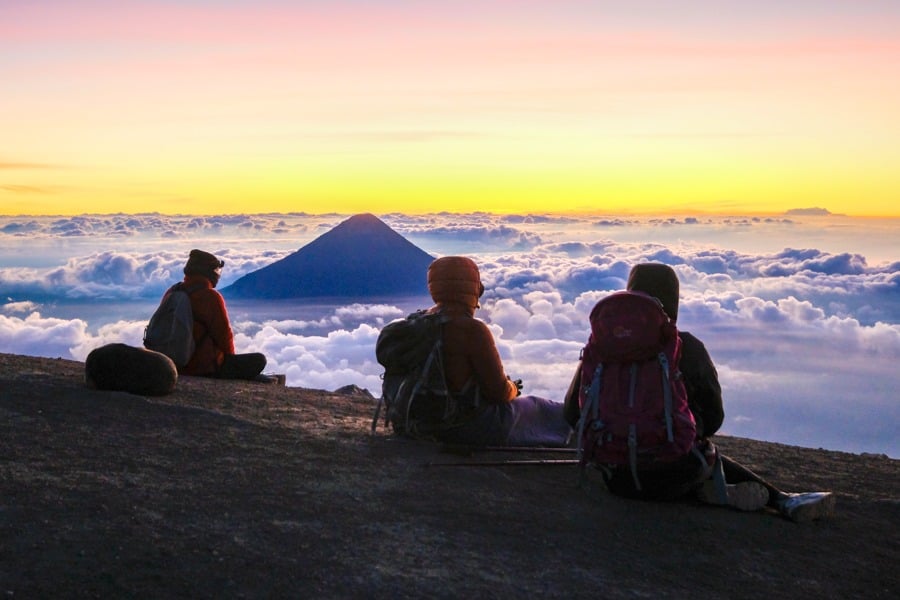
[(634, 407)]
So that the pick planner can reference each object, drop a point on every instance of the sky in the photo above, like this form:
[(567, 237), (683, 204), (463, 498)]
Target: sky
[(801, 313), (517, 106)]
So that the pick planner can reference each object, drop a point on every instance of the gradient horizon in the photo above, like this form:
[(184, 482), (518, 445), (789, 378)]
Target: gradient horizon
[(268, 106)]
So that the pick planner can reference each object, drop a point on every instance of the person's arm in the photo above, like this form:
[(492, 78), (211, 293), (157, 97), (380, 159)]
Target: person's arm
[(572, 405), (485, 362), (702, 382)]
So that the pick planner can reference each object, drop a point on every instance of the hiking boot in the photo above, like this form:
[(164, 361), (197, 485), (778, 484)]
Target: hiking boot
[(746, 496), (276, 379), (807, 506)]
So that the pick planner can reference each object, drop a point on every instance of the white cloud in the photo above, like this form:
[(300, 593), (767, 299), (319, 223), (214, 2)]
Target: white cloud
[(39, 336), (326, 362), (511, 318), (19, 307), (143, 225)]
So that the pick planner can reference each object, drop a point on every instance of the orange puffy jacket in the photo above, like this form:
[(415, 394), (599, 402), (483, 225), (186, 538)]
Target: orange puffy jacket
[(212, 331), (470, 353)]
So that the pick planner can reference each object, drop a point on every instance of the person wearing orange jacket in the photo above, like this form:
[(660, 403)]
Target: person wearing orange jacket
[(214, 355), (474, 371)]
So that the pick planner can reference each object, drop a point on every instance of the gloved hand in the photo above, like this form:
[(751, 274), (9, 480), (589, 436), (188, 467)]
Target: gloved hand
[(519, 386)]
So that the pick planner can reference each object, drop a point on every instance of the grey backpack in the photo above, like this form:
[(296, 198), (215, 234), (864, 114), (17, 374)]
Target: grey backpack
[(171, 328)]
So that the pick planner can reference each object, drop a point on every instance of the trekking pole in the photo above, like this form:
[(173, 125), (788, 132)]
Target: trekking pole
[(465, 449), (546, 462)]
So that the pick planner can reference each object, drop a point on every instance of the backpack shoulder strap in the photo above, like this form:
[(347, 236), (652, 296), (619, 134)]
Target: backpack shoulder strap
[(189, 290)]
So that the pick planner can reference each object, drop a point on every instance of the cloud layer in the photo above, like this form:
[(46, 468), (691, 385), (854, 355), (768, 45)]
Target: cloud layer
[(806, 340)]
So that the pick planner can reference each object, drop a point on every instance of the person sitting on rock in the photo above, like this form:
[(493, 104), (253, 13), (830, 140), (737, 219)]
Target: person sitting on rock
[(742, 488), (214, 354), (475, 374)]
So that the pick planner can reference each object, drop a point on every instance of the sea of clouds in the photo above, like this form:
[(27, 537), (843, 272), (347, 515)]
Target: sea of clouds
[(800, 313)]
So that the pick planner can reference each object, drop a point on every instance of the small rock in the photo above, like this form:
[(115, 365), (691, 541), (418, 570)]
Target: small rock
[(354, 391)]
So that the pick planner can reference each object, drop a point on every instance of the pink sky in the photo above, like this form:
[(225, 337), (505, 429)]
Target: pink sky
[(505, 106)]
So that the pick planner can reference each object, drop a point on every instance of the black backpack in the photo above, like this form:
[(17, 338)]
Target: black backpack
[(414, 391)]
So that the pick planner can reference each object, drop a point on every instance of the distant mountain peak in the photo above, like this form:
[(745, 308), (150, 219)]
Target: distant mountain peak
[(362, 256), (810, 211), (363, 219)]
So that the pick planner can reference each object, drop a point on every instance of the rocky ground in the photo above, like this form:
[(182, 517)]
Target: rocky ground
[(248, 490)]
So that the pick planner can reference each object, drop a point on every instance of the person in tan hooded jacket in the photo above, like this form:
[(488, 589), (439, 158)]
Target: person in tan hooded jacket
[(474, 371)]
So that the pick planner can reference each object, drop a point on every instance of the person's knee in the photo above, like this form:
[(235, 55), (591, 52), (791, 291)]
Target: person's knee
[(256, 361), (261, 361), (242, 366)]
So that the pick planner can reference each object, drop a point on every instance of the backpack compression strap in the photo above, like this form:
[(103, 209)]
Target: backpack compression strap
[(590, 411), (421, 379), (667, 395)]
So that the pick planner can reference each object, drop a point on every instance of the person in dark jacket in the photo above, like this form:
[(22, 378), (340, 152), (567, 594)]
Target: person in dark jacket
[(214, 355), (475, 374), (738, 486)]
